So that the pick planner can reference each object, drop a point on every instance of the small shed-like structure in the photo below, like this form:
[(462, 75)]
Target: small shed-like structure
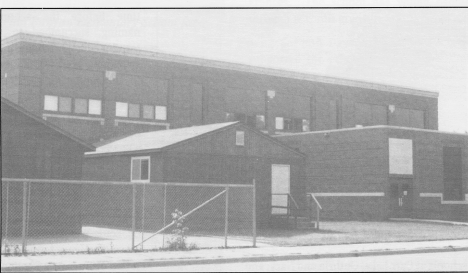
[(33, 148), (224, 153)]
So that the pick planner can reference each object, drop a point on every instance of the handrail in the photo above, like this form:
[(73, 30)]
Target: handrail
[(315, 200), (289, 196)]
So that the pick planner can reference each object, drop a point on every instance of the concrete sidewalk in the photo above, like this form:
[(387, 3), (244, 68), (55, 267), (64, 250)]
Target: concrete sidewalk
[(145, 259)]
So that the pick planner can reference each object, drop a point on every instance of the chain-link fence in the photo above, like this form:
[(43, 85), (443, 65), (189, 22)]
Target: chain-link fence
[(42, 216)]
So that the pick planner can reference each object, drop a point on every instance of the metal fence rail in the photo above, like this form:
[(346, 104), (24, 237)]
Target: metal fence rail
[(43, 215)]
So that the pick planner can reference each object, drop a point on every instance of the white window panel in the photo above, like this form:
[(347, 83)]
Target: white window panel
[(240, 138), (121, 109), (51, 103), (140, 169), (81, 106), (305, 125), (279, 123), (161, 112), (134, 110), (94, 107), (65, 104)]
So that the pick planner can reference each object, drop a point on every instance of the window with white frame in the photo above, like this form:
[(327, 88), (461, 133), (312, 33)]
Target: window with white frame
[(148, 111), (279, 123), (51, 103), (140, 169), (240, 138), (161, 112), (133, 110), (121, 109), (81, 106), (65, 104)]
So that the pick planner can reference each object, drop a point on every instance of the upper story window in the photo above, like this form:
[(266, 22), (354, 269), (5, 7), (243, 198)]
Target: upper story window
[(133, 110), (68, 105), (140, 169), (292, 124), (51, 103)]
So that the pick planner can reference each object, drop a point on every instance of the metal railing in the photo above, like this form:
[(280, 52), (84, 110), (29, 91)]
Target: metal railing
[(318, 209), (292, 208), (46, 215)]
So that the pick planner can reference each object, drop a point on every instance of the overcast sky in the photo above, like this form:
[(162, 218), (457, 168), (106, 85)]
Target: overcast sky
[(420, 48)]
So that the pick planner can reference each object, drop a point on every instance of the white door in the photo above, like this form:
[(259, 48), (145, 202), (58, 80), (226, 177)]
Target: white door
[(280, 187)]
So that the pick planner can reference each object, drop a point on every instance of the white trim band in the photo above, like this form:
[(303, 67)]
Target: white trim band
[(116, 122), (45, 116), (348, 194), (442, 201)]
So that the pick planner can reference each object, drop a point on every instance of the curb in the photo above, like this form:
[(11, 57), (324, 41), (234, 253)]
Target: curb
[(428, 221), (180, 262)]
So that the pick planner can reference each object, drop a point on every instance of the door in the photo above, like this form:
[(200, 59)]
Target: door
[(280, 188), (401, 199)]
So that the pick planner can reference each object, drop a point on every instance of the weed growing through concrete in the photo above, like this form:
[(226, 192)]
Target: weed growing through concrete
[(178, 240)]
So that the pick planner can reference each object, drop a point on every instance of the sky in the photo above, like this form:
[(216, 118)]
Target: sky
[(425, 49)]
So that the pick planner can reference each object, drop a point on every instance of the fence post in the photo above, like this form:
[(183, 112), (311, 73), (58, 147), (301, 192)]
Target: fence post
[(164, 219), (318, 216), (133, 214), (7, 208), (25, 207), (226, 218), (143, 189), (254, 214)]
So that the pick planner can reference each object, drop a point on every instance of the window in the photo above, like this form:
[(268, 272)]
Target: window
[(279, 123), (240, 138), (65, 104), (81, 106), (94, 107), (134, 110), (140, 171), (161, 112), (148, 111), (288, 124), (305, 125), (51, 103), (260, 122), (121, 109)]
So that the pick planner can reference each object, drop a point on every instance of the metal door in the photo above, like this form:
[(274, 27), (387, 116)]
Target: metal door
[(401, 201)]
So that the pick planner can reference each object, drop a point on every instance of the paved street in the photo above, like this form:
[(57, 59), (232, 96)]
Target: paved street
[(445, 261)]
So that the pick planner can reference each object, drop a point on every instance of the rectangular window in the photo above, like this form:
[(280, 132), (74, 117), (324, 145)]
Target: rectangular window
[(305, 125), (94, 107), (453, 174), (140, 169), (240, 138), (65, 104), (148, 111), (51, 103), (288, 124), (400, 156), (161, 112), (279, 123), (81, 106), (260, 122), (121, 109), (134, 110)]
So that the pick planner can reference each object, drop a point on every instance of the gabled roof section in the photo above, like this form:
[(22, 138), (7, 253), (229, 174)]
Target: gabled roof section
[(21, 110), (157, 140), (146, 54)]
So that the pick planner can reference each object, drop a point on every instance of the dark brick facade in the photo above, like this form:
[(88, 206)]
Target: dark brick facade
[(193, 94), (349, 171)]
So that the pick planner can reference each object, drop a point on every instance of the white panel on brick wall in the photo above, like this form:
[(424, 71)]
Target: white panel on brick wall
[(400, 156)]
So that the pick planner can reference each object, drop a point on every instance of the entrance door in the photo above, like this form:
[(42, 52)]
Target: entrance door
[(280, 188), (401, 198)]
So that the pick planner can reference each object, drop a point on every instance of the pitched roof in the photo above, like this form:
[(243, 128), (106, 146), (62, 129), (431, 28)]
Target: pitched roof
[(7, 103), (145, 54), (157, 140)]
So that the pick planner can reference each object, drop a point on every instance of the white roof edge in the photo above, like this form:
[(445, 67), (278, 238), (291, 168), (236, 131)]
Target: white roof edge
[(372, 127), (146, 54)]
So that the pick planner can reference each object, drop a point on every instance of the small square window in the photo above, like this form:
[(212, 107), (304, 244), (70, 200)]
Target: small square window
[(161, 112), (121, 109), (134, 110), (51, 103), (140, 169), (94, 107), (279, 123), (81, 106), (65, 104), (148, 111), (240, 138)]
